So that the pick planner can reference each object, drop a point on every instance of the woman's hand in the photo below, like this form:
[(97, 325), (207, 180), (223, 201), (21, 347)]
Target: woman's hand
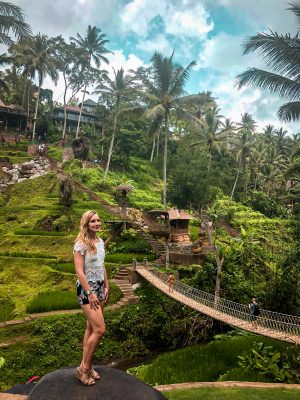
[(106, 294), (94, 302)]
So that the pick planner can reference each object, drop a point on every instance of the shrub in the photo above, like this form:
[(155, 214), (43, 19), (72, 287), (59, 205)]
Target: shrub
[(270, 363)]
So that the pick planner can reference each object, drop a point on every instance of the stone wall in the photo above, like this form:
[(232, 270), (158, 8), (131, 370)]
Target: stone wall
[(15, 173)]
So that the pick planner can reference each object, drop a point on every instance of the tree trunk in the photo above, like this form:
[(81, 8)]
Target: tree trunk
[(65, 111), (153, 148), (111, 146), (36, 110), (219, 261), (102, 138), (157, 144), (235, 182), (78, 125), (165, 164)]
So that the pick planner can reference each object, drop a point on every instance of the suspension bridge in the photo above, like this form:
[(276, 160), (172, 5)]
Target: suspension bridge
[(271, 324)]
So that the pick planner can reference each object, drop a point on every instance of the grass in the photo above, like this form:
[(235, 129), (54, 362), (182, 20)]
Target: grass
[(121, 258), (209, 393), (52, 300), (206, 363), (24, 278)]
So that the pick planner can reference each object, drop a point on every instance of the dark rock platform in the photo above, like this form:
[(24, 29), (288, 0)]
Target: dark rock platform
[(113, 385)]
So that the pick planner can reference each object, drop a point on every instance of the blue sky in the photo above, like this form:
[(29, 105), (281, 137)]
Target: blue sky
[(210, 32)]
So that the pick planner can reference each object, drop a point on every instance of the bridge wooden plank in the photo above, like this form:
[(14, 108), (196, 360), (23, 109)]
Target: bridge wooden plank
[(10, 396), (211, 312)]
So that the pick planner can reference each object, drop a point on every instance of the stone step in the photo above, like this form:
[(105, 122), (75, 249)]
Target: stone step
[(133, 300)]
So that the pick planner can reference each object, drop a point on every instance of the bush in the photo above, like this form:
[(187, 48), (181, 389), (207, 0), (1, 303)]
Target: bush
[(260, 201), (270, 363)]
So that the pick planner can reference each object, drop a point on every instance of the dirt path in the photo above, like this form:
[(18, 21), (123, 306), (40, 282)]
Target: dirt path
[(191, 385)]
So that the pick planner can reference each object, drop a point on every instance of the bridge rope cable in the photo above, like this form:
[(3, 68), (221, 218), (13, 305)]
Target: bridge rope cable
[(274, 321)]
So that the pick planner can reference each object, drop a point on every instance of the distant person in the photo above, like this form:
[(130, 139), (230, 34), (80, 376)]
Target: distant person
[(41, 149), (171, 282), (92, 290), (254, 312), (2, 139)]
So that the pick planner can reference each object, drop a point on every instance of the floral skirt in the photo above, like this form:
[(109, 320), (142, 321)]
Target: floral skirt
[(96, 287)]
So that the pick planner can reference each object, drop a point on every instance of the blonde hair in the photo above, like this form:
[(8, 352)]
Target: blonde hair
[(83, 235)]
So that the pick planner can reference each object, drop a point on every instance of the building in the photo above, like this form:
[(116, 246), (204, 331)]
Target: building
[(87, 116), (172, 224), (11, 116)]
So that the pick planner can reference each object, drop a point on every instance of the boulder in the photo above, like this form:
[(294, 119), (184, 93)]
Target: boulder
[(113, 385)]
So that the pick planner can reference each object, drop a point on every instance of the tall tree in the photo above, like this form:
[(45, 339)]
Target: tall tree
[(117, 89), (243, 144), (12, 22), (93, 45), (37, 57), (163, 92), (281, 53)]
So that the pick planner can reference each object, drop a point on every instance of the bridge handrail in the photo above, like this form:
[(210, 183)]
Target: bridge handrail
[(267, 319)]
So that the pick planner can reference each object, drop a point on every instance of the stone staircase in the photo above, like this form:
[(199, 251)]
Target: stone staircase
[(158, 247), (122, 280)]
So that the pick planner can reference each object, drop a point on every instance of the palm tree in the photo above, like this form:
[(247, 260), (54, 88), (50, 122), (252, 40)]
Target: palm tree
[(163, 91), (281, 141), (93, 45), (243, 143), (118, 89), (269, 133), (37, 58), (12, 20), (212, 130), (281, 53)]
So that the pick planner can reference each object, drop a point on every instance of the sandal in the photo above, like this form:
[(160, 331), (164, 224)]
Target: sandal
[(88, 381), (94, 374)]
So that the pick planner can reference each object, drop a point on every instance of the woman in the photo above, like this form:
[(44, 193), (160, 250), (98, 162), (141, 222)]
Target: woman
[(92, 290)]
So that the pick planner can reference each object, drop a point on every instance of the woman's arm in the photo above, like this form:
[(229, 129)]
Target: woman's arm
[(106, 284)]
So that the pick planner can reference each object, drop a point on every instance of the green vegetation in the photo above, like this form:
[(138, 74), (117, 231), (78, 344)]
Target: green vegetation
[(156, 323), (52, 300), (210, 393), (214, 361)]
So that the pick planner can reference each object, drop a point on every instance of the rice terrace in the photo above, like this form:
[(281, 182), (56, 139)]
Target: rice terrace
[(150, 200)]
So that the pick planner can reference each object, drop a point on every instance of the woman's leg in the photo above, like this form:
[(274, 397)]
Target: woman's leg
[(95, 330)]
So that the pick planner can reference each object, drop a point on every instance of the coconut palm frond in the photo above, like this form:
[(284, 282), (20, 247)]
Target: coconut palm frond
[(280, 52), (155, 112), (289, 112), (12, 20), (269, 81), (295, 8)]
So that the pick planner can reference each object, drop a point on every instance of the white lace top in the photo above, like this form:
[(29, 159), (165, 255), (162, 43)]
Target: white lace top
[(93, 263)]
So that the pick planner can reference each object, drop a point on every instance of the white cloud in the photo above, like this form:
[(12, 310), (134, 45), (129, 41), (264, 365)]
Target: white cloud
[(158, 43), (180, 17), (137, 15), (191, 20), (118, 60), (224, 53)]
